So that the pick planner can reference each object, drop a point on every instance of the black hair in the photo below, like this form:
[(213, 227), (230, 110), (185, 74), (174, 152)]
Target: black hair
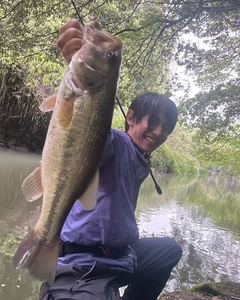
[(152, 104)]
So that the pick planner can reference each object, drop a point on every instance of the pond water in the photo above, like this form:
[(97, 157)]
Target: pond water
[(201, 213)]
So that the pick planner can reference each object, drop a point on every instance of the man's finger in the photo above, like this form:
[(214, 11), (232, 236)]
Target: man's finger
[(72, 23), (68, 35), (70, 48)]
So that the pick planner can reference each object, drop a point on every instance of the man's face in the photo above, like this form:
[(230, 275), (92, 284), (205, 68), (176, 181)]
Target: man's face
[(147, 139)]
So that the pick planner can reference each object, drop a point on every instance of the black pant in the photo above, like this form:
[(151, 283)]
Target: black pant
[(156, 258)]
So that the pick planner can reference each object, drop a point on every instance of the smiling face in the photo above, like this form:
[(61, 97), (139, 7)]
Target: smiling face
[(148, 138)]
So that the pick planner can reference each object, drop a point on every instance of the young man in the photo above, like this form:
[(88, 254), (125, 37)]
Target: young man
[(100, 249)]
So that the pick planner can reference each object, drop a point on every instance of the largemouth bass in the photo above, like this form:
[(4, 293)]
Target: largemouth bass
[(79, 126)]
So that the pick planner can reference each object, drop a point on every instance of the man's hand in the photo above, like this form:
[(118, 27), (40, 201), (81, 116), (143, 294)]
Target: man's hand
[(70, 39)]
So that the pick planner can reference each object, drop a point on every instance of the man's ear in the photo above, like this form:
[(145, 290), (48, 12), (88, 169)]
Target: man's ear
[(130, 117)]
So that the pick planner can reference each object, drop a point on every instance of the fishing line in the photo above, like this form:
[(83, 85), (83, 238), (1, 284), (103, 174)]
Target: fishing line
[(157, 187), (77, 12), (121, 107)]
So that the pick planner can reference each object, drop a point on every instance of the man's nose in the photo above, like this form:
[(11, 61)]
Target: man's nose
[(157, 130)]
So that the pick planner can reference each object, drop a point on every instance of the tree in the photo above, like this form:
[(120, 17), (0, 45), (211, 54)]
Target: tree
[(30, 33), (154, 34), (213, 61), (149, 29)]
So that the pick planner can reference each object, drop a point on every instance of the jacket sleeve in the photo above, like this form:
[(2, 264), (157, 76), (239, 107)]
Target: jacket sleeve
[(109, 150)]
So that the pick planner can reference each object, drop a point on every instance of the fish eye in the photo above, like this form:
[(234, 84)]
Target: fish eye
[(110, 54)]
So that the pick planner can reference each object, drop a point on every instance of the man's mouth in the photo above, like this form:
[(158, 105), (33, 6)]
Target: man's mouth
[(150, 139)]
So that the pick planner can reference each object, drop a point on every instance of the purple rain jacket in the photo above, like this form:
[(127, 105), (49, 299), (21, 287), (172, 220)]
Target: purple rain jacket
[(112, 222)]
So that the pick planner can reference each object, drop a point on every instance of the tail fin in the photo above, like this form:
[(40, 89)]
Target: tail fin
[(37, 256)]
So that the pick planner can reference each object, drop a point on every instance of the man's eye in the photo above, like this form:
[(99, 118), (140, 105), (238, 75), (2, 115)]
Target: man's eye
[(166, 129)]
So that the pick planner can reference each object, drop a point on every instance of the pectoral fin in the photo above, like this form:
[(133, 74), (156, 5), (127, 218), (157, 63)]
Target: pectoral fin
[(32, 186), (89, 198), (48, 104)]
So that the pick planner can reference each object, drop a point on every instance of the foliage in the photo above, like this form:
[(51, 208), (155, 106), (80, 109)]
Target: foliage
[(118, 119), (181, 146), (20, 116), (30, 31), (208, 47), (184, 165), (219, 150), (151, 31), (211, 58), (166, 160), (162, 160)]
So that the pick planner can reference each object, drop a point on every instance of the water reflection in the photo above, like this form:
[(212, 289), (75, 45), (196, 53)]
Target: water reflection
[(203, 216), (201, 213), (14, 168), (16, 217)]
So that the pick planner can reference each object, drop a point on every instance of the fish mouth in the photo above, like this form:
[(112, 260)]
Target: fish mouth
[(102, 39), (80, 61), (95, 79), (74, 82), (73, 85), (100, 52)]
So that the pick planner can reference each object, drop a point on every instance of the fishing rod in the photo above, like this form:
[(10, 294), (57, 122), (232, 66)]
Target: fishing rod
[(157, 187), (77, 12)]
